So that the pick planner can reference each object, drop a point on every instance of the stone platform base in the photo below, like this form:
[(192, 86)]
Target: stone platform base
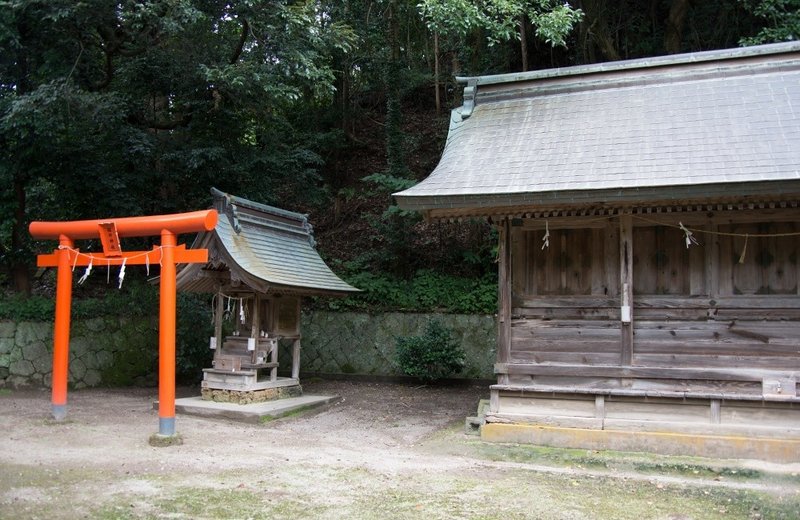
[(250, 396), (257, 413), (664, 443)]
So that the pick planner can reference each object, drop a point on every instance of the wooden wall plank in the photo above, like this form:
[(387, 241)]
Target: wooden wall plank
[(584, 358), (597, 263), (726, 362), (698, 274), (712, 260), (644, 372), (520, 267), (611, 260)]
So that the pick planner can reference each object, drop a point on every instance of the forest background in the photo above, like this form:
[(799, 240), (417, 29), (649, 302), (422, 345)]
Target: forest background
[(324, 107)]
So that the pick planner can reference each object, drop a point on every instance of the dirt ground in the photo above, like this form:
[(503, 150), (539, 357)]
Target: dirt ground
[(383, 451)]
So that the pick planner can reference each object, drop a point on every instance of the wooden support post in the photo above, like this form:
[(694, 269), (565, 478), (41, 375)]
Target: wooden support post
[(166, 336), (600, 407), (626, 287), (255, 326), (61, 330), (711, 249), (494, 401), (296, 359), (273, 357), (220, 308), (716, 411), (504, 294)]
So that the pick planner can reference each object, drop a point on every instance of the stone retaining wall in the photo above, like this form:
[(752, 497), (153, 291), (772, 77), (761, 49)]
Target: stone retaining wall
[(124, 352), (360, 343), (107, 351)]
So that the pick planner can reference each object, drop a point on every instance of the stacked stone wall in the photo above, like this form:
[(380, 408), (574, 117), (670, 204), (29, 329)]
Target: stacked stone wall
[(364, 344), (124, 352), (103, 351)]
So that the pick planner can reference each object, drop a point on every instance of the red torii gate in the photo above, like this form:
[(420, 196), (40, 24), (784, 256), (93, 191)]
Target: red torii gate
[(167, 254)]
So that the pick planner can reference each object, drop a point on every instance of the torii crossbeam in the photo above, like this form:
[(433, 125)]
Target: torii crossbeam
[(167, 254)]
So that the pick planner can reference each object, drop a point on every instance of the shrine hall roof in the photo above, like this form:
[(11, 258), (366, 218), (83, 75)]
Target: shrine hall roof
[(702, 126), (264, 248)]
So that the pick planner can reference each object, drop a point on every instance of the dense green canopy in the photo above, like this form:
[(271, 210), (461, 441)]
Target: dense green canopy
[(140, 106)]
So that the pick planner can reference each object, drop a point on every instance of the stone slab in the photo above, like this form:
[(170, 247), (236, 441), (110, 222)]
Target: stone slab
[(252, 413)]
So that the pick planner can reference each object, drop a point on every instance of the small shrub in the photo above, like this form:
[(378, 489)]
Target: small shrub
[(432, 356)]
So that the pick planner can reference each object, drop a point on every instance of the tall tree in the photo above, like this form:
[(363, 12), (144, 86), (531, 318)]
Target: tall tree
[(139, 106), (500, 20)]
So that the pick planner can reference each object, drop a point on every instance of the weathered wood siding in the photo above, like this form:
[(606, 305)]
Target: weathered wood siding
[(729, 304)]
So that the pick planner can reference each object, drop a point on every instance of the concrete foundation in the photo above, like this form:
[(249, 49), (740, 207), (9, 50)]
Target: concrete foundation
[(665, 443), (253, 412)]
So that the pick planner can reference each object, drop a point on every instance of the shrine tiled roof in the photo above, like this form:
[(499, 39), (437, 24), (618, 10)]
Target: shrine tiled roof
[(262, 247), (703, 125)]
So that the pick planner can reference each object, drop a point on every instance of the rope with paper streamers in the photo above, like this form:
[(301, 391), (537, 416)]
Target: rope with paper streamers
[(690, 238), (689, 233), (546, 237), (237, 300), (121, 275)]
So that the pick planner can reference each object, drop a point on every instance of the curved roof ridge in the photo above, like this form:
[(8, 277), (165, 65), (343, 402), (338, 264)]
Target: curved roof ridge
[(269, 249)]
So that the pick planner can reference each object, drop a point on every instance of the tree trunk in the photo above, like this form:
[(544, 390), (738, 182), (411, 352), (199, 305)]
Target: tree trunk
[(436, 72), (394, 32), (597, 29), (673, 34), (19, 268), (523, 43)]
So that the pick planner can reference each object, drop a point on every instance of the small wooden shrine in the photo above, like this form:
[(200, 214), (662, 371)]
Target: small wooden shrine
[(262, 261)]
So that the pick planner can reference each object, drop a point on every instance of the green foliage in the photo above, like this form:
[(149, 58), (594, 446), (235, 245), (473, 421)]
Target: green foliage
[(194, 327), (426, 291), (389, 182), (500, 19), (17, 307), (133, 300), (781, 19), (553, 21), (432, 356), (130, 108)]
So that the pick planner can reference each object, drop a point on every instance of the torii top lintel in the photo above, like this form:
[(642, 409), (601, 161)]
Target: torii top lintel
[(176, 223)]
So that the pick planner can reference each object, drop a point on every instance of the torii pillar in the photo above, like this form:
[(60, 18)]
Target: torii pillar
[(167, 254)]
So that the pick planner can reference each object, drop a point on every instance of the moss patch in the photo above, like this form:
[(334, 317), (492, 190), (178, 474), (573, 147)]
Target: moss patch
[(162, 441)]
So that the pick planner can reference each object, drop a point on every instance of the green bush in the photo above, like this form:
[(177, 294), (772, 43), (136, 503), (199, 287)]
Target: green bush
[(432, 356), (427, 291)]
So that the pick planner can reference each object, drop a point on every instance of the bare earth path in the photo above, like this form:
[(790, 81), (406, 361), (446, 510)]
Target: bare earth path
[(384, 451)]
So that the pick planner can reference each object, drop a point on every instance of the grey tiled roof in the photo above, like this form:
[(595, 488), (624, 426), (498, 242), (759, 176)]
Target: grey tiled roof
[(706, 123), (267, 248)]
